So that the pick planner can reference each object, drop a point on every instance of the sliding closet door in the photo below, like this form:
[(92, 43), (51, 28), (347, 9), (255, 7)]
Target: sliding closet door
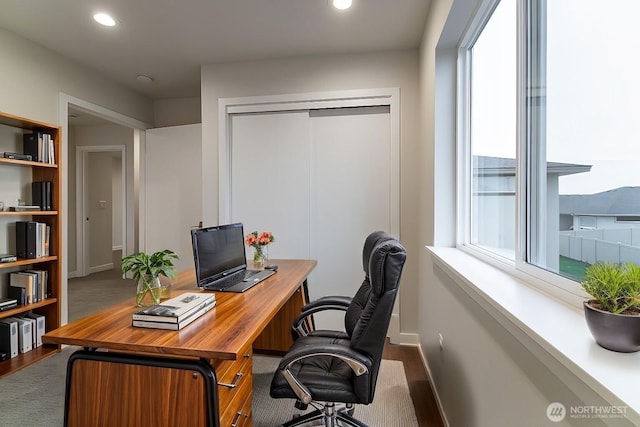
[(351, 195), (320, 180), (270, 179)]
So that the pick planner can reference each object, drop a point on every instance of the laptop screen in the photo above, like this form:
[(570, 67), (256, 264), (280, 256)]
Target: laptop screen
[(217, 252)]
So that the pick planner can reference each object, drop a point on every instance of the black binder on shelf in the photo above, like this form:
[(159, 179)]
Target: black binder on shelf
[(9, 337), (30, 144), (26, 239), (18, 293), (41, 194)]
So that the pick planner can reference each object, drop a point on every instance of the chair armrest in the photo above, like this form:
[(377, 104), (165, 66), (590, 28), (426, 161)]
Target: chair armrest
[(300, 324), (359, 363), (338, 301)]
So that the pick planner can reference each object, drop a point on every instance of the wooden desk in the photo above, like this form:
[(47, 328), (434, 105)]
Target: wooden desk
[(258, 319)]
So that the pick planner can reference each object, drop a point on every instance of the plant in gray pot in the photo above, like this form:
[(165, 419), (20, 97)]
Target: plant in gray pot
[(613, 315)]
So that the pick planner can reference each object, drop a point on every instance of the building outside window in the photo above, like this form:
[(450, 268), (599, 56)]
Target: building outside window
[(549, 133)]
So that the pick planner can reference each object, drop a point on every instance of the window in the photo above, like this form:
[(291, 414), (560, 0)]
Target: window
[(550, 135), (493, 133)]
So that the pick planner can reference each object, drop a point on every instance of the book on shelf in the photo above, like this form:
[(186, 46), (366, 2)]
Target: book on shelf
[(43, 282), (7, 301), (36, 279), (8, 304), (17, 156), (4, 258), (23, 281), (24, 208)]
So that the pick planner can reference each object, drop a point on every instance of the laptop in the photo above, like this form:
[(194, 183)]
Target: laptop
[(220, 261)]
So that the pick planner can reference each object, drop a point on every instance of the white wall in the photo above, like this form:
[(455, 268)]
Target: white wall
[(318, 74), (31, 78), (176, 112), (484, 376)]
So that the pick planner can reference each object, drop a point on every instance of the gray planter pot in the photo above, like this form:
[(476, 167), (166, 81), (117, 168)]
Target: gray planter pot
[(617, 332)]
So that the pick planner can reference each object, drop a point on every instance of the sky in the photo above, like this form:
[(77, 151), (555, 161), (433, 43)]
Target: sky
[(592, 90)]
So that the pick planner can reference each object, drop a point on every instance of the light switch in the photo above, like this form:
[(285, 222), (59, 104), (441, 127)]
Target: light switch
[(103, 204)]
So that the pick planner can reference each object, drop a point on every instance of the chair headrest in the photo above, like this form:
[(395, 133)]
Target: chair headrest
[(383, 258), (370, 243)]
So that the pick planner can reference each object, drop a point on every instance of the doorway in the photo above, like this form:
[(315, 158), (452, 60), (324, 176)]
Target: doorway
[(76, 114), (100, 207)]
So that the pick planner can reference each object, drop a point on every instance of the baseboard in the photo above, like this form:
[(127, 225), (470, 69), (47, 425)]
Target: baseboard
[(72, 274), (99, 268), (425, 363), (116, 248)]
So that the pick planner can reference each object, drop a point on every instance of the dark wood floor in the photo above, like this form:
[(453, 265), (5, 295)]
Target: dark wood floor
[(422, 394)]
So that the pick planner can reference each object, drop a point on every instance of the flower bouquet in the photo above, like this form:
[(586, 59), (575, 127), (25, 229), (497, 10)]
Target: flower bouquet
[(259, 243)]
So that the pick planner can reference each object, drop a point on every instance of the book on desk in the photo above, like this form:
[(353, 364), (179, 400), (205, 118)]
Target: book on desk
[(175, 313)]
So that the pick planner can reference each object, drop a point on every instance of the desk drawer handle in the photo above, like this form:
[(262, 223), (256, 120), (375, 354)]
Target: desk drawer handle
[(235, 381), (236, 419)]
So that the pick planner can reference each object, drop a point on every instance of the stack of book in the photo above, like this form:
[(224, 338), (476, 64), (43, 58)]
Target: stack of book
[(175, 313), (8, 303)]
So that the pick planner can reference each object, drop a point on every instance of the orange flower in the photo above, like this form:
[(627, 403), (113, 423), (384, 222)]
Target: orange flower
[(251, 239), (254, 239)]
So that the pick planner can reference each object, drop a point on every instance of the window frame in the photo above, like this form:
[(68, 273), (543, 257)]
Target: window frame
[(529, 161)]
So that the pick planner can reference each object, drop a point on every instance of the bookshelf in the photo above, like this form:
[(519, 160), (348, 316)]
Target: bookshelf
[(16, 177)]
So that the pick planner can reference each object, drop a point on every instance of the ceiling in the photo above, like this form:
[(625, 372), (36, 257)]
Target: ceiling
[(169, 39)]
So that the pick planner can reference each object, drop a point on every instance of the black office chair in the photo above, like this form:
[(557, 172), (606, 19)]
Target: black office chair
[(342, 366)]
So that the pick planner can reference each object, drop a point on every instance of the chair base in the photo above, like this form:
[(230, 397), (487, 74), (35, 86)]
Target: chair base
[(328, 416)]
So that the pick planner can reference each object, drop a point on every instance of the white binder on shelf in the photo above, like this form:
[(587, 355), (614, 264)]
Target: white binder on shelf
[(25, 337)]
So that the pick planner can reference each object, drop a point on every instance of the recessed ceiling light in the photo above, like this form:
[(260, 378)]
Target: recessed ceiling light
[(341, 4), (104, 19)]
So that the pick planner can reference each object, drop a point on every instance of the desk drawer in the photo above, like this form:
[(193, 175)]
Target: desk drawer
[(234, 379), (238, 409), (243, 417)]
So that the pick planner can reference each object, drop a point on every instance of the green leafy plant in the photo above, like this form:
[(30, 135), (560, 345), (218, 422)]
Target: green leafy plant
[(146, 269), (158, 263), (616, 287)]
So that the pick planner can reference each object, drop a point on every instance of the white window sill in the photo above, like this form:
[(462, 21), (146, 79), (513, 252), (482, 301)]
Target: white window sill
[(559, 329)]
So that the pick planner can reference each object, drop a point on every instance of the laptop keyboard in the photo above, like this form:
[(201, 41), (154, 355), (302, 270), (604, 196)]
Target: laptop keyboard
[(229, 281)]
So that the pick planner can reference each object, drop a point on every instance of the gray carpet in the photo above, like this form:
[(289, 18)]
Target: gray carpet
[(391, 407), (34, 396)]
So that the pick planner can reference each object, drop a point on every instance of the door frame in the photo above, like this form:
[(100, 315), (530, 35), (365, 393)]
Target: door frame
[(82, 236), (308, 101), (64, 102)]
